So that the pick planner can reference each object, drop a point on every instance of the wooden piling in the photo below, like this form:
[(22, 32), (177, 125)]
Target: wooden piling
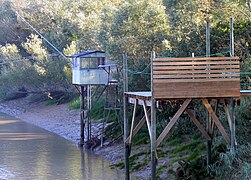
[(126, 127), (82, 122), (208, 116), (233, 141), (153, 124), (88, 114), (232, 115)]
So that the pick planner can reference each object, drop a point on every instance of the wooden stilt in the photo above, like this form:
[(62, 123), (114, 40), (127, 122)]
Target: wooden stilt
[(233, 140), (82, 122), (153, 124), (153, 139), (209, 142), (208, 116), (88, 114), (126, 146)]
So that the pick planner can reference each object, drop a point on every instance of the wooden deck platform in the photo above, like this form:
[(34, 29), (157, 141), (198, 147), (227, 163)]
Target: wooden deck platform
[(245, 92), (208, 79)]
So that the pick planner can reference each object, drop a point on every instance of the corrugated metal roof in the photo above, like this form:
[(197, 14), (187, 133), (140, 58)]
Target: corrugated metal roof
[(84, 53)]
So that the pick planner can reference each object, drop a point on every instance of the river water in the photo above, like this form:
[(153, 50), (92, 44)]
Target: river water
[(28, 152)]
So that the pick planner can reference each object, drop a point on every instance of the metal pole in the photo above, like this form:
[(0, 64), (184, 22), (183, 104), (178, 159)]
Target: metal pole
[(231, 37), (126, 127), (208, 39), (82, 111), (153, 123)]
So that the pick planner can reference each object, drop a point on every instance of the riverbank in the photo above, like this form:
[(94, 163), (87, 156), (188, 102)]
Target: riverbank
[(64, 122), (61, 120), (58, 119)]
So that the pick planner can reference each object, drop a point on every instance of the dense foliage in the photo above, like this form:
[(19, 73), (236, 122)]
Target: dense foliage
[(170, 27)]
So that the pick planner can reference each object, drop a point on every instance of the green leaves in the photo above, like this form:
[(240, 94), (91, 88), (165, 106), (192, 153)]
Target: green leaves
[(139, 26)]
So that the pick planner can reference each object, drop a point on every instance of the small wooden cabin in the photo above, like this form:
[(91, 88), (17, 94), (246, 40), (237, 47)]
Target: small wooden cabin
[(88, 68)]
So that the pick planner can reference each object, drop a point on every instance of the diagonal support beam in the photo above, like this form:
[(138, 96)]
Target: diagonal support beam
[(216, 120), (172, 121), (138, 126), (213, 127), (133, 119), (147, 119), (197, 123)]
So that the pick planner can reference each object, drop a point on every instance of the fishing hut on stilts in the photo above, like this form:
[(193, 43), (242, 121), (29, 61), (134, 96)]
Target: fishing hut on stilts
[(210, 80), (91, 69)]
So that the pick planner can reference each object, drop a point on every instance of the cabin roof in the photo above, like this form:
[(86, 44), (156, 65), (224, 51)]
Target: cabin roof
[(88, 52)]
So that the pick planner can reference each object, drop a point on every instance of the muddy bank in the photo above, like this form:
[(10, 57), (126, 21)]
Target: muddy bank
[(62, 121), (55, 118), (66, 123)]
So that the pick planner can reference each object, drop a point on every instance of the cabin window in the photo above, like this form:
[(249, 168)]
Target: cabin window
[(84, 63), (91, 63)]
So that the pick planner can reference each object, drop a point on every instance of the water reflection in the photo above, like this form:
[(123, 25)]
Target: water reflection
[(21, 136), (29, 152)]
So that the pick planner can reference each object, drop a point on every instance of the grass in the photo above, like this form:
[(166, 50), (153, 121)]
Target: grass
[(142, 137), (50, 102), (174, 141), (136, 164), (185, 147), (119, 165), (161, 169), (196, 153), (191, 149), (97, 111), (74, 104)]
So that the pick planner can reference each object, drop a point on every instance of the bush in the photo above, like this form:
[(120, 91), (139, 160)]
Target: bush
[(233, 165)]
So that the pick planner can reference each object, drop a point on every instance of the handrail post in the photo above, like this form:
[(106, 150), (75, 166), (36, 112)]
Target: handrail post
[(126, 127), (153, 123), (233, 141)]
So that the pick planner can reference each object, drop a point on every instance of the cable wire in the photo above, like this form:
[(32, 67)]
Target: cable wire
[(26, 22)]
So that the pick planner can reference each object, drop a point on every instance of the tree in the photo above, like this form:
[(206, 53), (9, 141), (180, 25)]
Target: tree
[(135, 27), (138, 27)]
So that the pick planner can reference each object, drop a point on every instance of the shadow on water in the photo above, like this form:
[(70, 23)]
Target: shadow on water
[(29, 152)]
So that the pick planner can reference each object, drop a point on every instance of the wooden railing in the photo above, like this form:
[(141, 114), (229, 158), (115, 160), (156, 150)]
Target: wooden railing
[(196, 77)]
